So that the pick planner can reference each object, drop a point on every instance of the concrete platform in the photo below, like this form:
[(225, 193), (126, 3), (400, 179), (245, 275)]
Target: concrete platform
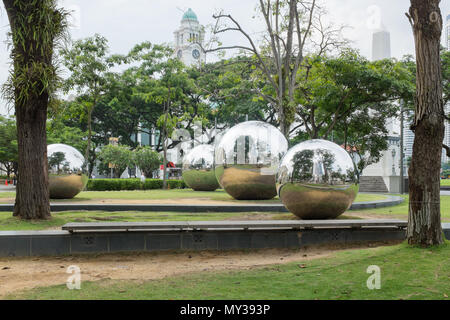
[(276, 207), (47, 243)]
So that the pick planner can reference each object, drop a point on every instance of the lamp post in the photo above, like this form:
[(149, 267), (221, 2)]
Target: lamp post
[(402, 155), (393, 161)]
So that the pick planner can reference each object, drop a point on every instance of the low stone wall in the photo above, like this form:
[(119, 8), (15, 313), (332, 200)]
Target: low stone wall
[(276, 207), (50, 243), (53, 243)]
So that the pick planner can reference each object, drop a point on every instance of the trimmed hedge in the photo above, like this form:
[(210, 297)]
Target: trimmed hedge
[(131, 184)]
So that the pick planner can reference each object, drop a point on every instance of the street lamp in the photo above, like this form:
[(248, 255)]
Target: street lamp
[(393, 161)]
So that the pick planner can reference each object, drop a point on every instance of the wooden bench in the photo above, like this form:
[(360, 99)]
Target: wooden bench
[(231, 225)]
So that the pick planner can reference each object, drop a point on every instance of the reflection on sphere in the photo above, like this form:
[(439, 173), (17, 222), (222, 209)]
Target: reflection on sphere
[(198, 168), (247, 158), (317, 179), (67, 176)]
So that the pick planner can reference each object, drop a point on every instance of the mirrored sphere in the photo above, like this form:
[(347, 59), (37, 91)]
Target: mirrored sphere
[(247, 159), (198, 168), (67, 176), (317, 179)]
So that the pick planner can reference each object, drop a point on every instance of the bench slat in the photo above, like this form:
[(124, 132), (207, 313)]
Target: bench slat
[(265, 224)]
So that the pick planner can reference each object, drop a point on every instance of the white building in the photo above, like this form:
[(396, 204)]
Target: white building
[(381, 45), (385, 174), (189, 39), (447, 107), (408, 135), (447, 32)]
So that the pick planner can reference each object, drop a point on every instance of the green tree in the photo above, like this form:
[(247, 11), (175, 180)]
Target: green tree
[(8, 146), (37, 26), (229, 86), (349, 99), (292, 28), (120, 157), (167, 87), (445, 58), (61, 131), (333, 89), (147, 160), (56, 160), (364, 135), (88, 63)]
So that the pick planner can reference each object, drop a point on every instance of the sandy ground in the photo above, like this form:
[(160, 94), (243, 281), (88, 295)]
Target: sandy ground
[(188, 201), (17, 274)]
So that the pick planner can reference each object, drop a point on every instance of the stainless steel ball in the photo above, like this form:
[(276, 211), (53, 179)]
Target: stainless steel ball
[(247, 158), (67, 176), (198, 168), (317, 179)]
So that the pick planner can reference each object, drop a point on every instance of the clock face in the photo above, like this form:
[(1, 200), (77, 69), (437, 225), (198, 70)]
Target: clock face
[(196, 54), (179, 54)]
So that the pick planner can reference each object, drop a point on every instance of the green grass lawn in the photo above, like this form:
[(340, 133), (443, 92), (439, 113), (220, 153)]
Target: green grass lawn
[(445, 182), (402, 209), (406, 273), (218, 195), (8, 222)]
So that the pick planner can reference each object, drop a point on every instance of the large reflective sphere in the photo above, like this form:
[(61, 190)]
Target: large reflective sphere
[(66, 171), (317, 179), (198, 168), (247, 159)]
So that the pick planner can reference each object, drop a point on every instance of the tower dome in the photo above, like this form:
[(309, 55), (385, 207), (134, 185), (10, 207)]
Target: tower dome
[(189, 15)]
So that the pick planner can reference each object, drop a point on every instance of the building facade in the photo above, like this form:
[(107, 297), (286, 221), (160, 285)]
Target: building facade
[(381, 45), (188, 40), (384, 176), (447, 32), (408, 135)]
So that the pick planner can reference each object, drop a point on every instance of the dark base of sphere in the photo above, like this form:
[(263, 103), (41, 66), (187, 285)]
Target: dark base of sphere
[(66, 186), (201, 180), (316, 203), (245, 182)]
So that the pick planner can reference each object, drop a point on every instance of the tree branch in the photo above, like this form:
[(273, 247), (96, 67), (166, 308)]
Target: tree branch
[(447, 149)]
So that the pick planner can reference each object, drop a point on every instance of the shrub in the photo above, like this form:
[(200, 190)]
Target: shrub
[(147, 160), (120, 156), (131, 184)]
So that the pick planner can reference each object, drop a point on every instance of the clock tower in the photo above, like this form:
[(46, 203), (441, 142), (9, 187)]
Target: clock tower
[(188, 40)]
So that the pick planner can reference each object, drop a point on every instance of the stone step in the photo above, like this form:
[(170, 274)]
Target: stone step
[(372, 184)]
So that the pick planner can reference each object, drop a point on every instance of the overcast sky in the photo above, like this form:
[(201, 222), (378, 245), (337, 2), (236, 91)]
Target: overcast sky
[(128, 22)]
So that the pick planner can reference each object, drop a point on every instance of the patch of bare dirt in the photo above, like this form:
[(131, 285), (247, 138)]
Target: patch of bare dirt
[(17, 274), (187, 201), (364, 215)]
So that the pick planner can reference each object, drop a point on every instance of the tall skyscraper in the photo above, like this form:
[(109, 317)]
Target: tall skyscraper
[(381, 45), (408, 134), (381, 49), (447, 107)]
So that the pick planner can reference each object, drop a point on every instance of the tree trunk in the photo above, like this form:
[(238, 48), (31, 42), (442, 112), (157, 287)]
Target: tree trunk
[(88, 147), (424, 219), (32, 195), (31, 77), (165, 141)]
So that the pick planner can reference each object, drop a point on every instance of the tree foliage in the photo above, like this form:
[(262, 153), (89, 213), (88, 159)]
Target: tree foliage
[(147, 160), (8, 146), (120, 157), (349, 99)]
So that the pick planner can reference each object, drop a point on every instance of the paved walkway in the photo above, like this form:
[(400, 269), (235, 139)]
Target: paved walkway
[(9, 188)]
